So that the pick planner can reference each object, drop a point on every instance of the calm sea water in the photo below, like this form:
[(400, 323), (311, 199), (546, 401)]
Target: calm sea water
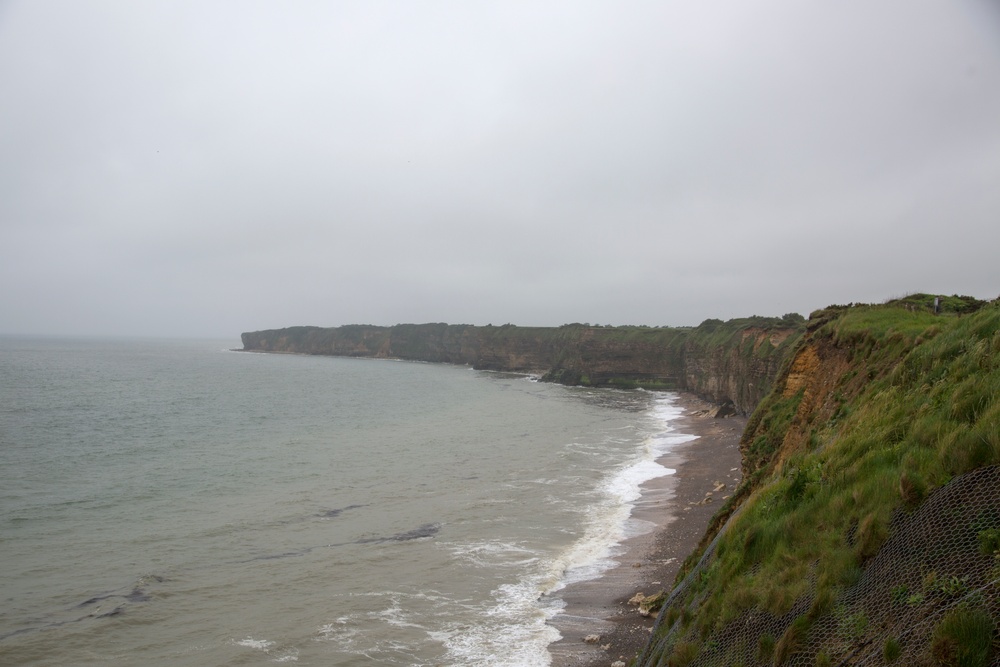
[(175, 503)]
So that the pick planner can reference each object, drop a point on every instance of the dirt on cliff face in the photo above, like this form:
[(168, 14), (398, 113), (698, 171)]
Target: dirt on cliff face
[(820, 372), (803, 371)]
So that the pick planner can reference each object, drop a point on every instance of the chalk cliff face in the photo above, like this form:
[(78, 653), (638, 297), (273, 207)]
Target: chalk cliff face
[(723, 361)]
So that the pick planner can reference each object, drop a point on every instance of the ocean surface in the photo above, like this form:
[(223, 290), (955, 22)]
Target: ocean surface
[(176, 503)]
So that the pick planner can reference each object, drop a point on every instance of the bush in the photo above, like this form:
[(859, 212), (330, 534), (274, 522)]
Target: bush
[(989, 542), (963, 638), (891, 650), (683, 655), (765, 648)]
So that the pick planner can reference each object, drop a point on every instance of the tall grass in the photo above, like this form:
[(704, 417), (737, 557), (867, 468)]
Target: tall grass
[(963, 638), (919, 404)]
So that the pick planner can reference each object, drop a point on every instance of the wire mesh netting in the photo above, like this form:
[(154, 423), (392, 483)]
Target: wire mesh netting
[(929, 596)]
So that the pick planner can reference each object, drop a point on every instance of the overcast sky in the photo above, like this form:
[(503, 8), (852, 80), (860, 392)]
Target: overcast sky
[(206, 168)]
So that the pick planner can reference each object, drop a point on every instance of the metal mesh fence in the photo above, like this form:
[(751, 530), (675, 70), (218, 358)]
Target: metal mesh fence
[(940, 566)]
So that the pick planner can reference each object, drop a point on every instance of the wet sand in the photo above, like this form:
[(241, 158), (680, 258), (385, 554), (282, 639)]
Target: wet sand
[(680, 505)]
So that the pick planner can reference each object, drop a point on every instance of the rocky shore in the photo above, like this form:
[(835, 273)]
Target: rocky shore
[(602, 623)]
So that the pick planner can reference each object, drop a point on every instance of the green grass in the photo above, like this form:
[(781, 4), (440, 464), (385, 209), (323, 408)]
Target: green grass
[(963, 638), (919, 403), (891, 650), (683, 655), (765, 648)]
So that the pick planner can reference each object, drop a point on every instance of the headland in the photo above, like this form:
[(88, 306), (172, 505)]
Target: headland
[(732, 361)]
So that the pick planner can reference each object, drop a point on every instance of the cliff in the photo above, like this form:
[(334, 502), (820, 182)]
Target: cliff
[(722, 361), (867, 528)]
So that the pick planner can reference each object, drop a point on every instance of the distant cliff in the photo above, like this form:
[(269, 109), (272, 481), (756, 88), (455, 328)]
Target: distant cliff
[(723, 361)]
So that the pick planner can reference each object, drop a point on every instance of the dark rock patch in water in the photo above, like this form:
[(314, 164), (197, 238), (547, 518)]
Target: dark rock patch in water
[(426, 530), (334, 513)]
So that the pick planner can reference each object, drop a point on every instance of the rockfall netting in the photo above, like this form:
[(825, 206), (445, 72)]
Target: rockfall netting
[(929, 596)]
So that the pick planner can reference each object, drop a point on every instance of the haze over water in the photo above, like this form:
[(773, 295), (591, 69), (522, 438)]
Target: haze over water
[(174, 503)]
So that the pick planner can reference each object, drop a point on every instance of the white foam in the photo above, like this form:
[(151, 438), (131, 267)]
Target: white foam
[(512, 631), (250, 642), (266, 645), (610, 521), (352, 633), (395, 616), (342, 632), (492, 553)]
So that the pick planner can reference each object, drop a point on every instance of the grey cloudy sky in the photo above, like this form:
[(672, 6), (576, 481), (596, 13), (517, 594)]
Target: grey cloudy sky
[(205, 168)]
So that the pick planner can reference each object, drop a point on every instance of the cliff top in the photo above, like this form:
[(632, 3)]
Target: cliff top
[(868, 524)]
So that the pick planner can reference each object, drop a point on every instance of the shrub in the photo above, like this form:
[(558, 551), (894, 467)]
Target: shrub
[(790, 641), (683, 655), (963, 638), (891, 650), (989, 542), (765, 647)]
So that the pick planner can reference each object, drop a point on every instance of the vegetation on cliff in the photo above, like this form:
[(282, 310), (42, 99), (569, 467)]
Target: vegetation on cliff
[(724, 361), (867, 528)]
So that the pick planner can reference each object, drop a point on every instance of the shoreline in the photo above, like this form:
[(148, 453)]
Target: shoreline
[(680, 510)]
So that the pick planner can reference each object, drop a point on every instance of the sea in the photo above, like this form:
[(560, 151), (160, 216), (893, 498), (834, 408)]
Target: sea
[(175, 502)]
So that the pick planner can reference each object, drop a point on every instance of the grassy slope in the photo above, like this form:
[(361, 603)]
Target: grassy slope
[(880, 406)]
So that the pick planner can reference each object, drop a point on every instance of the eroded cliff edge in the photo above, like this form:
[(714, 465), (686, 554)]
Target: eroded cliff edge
[(734, 361), (867, 528)]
